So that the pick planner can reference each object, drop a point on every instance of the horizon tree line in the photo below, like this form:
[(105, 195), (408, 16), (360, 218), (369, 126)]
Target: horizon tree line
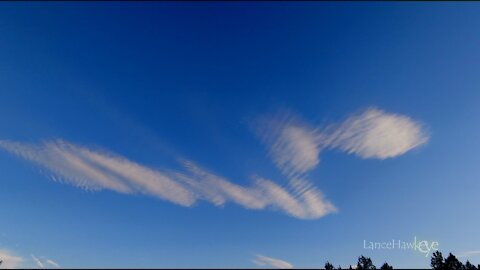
[(437, 262)]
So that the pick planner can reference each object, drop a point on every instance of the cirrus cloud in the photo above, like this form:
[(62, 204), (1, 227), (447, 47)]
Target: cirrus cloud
[(43, 262), (261, 260), (97, 170), (377, 134), (10, 260), (467, 254), (295, 146)]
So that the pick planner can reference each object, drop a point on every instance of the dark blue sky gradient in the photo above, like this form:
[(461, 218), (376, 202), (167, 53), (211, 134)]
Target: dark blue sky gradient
[(158, 81)]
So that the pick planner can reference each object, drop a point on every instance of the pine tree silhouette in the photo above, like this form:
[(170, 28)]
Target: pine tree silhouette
[(469, 266), (386, 266), (365, 264), (437, 262), (451, 262), (329, 266)]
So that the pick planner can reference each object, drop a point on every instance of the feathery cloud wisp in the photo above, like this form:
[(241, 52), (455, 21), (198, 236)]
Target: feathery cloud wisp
[(37, 261), (271, 262), (52, 263), (97, 170), (306, 203), (295, 146), (376, 134), (94, 170), (43, 262), (10, 260)]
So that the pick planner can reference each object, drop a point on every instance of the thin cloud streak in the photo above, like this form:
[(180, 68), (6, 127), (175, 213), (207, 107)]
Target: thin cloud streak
[(97, 170), (308, 203), (43, 262), (261, 260), (37, 261), (52, 263), (467, 254)]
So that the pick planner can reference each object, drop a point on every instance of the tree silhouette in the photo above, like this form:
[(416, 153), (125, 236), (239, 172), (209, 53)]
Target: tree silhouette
[(451, 262), (365, 263), (437, 262), (386, 266), (469, 266), (329, 266)]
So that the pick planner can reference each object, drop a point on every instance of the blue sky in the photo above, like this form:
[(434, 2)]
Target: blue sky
[(162, 134)]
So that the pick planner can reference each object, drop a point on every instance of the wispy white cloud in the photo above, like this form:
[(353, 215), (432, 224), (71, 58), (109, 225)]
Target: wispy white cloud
[(295, 146), (219, 190), (37, 261), (305, 203), (296, 150), (10, 260), (308, 203), (52, 263), (43, 262), (261, 260), (98, 170), (377, 134), (467, 254), (140, 178)]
